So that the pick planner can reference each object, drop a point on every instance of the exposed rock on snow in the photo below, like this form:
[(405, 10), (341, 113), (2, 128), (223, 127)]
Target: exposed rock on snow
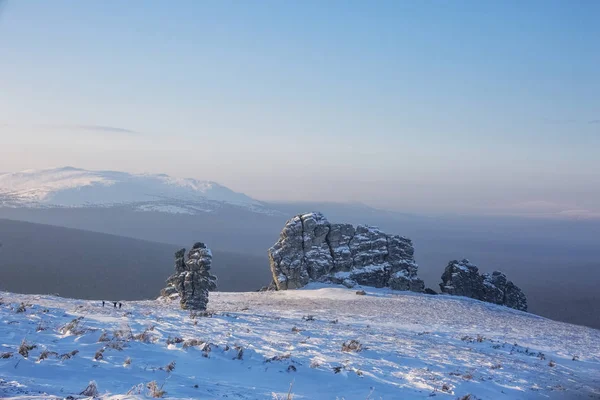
[(310, 248), (192, 280), (461, 278)]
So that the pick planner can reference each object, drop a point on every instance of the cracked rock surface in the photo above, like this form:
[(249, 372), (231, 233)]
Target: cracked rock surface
[(462, 278), (192, 279), (310, 248)]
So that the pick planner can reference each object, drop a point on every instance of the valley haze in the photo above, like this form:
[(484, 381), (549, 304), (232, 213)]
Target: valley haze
[(554, 261)]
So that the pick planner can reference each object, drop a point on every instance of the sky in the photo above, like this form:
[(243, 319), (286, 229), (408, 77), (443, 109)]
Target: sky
[(478, 107)]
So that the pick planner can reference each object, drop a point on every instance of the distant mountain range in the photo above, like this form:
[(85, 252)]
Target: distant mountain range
[(75, 188)]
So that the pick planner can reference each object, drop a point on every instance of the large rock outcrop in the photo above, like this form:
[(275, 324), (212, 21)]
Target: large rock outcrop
[(462, 278), (310, 248), (192, 279)]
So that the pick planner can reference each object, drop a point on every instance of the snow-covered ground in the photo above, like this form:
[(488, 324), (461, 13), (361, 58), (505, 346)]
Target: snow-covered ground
[(256, 345), (75, 187)]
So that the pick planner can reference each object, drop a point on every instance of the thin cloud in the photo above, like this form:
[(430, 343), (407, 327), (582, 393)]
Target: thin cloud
[(559, 121), (594, 121), (100, 129), (108, 129)]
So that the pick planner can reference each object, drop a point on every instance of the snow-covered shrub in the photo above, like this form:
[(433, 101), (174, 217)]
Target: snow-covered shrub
[(99, 354), (6, 355), (353, 346), (175, 340), (278, 358), (70, 355), (200, 314), (46, 353), (25, 348), (91, 390), (155, 391), (115, 346), (72, 328), (137, 389), (104, 337), (127, 361), (240, 352), (361, 292), (191, 343), (170, 367), (206, 349), (144, 337), (288, 396), (21, 308)]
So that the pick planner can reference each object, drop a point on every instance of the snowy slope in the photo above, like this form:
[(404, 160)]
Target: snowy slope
[(73, 187), (414, 346)]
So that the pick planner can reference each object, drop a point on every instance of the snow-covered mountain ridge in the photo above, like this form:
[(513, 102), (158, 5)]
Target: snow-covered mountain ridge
[(254, 345), (74, 187)]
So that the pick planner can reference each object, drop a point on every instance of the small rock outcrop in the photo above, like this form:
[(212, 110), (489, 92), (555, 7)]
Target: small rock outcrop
[(310, 248), (192, 279), (462, 278)]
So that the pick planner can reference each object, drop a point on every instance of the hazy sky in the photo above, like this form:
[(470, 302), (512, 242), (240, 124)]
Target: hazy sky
[(426, 106)]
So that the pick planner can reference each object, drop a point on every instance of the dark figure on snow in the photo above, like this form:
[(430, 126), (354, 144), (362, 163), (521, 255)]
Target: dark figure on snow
[(114, 304), (102, 303), (120, 305)]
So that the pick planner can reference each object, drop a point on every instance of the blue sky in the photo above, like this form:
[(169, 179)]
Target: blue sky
[(421, 106)]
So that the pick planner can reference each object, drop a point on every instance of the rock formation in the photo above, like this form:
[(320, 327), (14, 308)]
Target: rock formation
[(310, 248), (192, 279), (461, 278)]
